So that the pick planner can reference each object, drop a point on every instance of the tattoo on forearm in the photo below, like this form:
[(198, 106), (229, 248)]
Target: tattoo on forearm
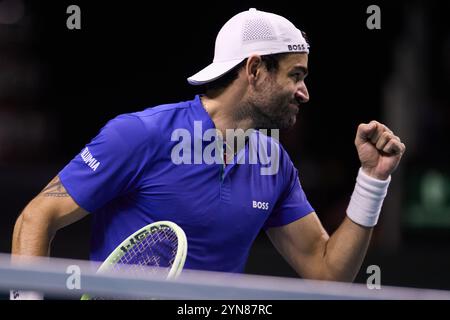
[(55, 189)]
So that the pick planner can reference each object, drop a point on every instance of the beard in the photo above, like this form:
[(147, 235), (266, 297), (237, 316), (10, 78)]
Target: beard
[(270, 108)]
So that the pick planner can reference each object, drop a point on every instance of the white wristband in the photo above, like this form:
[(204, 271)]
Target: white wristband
[(367, 198), (25, 295)]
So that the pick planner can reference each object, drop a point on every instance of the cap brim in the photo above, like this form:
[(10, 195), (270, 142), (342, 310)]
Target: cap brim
[(212, 72)]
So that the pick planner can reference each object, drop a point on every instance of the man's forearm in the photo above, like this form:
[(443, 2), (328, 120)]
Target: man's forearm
[(345, 251), (35, 228), (347, 247), (31, 236)]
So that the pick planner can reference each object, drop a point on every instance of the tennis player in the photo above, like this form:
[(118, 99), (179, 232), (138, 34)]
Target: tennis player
[(150, 165)]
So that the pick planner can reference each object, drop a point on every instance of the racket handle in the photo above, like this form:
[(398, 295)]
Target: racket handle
[(25, 295)]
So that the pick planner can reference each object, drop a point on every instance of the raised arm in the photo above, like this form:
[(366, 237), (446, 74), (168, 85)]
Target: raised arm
[(306, 245)]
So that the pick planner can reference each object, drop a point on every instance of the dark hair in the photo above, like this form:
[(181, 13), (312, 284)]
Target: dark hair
[(270, 61)]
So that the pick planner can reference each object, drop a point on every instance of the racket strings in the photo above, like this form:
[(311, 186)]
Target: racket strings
[(158, 249)]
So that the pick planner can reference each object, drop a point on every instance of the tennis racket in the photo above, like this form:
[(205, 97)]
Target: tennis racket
[(160, 244)]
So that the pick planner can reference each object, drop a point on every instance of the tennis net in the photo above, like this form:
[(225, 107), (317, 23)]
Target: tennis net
[(69, 279)]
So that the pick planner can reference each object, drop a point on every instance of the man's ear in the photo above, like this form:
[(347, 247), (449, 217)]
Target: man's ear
[(253, 68)]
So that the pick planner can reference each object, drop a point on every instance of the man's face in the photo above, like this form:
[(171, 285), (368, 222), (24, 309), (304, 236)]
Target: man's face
[(276, 98)]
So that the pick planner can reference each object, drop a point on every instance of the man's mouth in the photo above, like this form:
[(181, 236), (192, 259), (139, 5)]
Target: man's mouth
[(295, 107)]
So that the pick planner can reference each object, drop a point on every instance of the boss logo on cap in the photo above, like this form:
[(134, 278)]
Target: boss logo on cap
[(296, 47)]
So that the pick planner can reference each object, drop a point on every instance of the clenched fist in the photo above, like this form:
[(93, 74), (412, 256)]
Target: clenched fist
[(379, 149)]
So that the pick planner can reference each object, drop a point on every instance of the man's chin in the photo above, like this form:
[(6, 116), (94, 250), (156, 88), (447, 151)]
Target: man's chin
[(288, 124), (280, 123)]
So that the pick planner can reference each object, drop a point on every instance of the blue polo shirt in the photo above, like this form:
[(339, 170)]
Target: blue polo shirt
[(126, 177)]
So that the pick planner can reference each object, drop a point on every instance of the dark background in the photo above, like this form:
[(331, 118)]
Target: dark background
[(58, 87)]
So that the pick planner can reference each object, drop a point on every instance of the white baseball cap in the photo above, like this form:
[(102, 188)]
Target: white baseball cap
[(250, 32)]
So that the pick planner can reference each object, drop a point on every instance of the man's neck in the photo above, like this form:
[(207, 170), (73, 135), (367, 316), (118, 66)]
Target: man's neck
[(222, 109)]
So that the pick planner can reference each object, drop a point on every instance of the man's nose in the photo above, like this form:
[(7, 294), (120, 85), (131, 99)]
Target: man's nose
[(302, 94)]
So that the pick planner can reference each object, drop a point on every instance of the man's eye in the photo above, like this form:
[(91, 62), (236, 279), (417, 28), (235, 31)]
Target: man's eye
[(298, 76)]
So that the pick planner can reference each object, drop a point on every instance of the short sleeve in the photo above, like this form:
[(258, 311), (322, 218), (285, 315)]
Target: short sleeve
[(109, 166), (293, 204)]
